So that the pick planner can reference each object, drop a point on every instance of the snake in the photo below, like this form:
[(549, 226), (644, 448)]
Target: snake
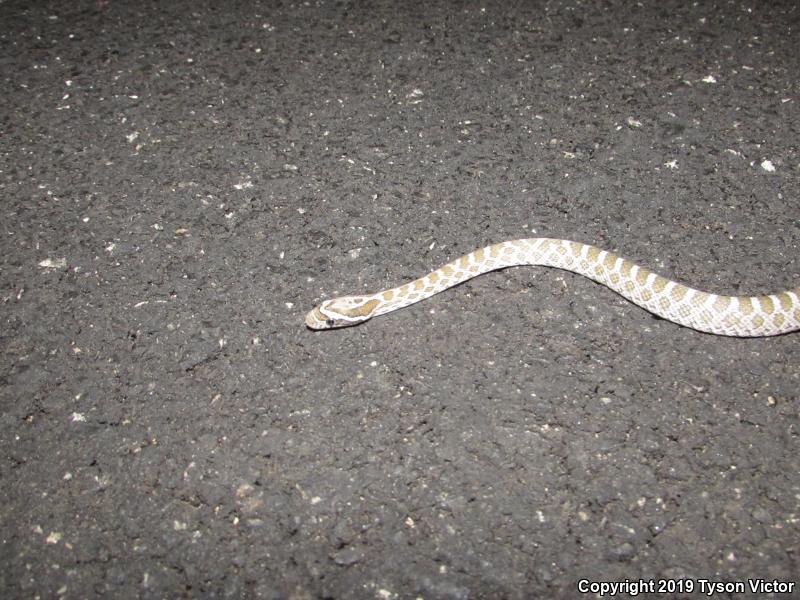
[(736, 316)]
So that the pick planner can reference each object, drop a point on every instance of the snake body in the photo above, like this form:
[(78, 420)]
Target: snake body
[(739, 316)]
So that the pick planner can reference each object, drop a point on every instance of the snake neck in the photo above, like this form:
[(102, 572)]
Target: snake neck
[(490, 258)]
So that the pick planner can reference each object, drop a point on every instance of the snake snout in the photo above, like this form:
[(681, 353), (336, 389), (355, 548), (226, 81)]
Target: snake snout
[(315, 319)]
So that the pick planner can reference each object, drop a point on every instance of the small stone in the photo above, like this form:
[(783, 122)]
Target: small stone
[(346, 557)]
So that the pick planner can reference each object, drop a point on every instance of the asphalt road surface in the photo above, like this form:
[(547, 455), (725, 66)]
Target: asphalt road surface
[(182, 181)]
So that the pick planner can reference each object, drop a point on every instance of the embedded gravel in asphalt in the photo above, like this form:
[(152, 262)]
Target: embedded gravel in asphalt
[(182, 181)]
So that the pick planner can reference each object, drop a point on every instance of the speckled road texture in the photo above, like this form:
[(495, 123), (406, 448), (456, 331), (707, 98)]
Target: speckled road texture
[(182, 181)]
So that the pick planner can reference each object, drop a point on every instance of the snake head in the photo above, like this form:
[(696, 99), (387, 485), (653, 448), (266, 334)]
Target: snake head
[(342, 312)]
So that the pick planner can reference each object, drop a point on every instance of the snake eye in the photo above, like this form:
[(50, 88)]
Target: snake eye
[(330, 322)]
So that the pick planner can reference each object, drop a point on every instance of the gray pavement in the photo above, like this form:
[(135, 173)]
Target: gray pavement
[(182, 181)]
